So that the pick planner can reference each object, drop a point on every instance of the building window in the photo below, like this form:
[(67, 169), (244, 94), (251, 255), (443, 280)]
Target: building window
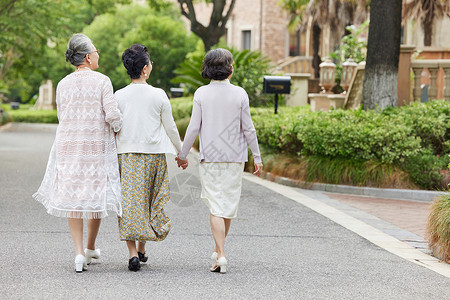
[(402, 35), (294, 43), (246, 39)]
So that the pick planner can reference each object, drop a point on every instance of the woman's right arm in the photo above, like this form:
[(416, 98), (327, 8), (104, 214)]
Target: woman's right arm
[(169, 123), (192, 130)]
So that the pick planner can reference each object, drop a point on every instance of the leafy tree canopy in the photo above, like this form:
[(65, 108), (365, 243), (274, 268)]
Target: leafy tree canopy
[(28, 58), (166, 39), (30, 28)]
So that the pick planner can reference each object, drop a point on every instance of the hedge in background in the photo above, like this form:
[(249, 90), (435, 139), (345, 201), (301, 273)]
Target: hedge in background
[(181, 107), (412, 139), (415, 137), (357, 135), (4, 117), (34, 116)]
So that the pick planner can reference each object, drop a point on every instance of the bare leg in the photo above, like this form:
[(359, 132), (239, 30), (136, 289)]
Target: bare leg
[(218, 231), (92, 231), (132, 248), (76, 229), (227, 228), (141, 247)]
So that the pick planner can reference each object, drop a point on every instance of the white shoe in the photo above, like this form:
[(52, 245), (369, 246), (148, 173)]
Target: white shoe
[(80, 263), (214, 258), (90, 254), (220, 266)]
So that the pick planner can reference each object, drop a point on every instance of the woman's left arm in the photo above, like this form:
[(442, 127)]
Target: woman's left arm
[(249, 129), (169, 123), (112, 113)]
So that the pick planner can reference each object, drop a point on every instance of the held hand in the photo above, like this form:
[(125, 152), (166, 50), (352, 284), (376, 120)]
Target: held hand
[(181, 163), (258, 169)]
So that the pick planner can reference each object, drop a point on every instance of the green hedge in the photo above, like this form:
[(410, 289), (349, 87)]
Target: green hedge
[(4, 117), (34, 116), (26, 114), (181, 107), (414, 138)]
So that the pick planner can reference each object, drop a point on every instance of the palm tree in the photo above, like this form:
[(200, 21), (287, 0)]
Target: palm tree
[(335, 14), (425, 11)]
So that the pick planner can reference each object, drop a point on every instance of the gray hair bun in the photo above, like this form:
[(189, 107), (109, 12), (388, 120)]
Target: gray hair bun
[(78, 47), (69, 55)]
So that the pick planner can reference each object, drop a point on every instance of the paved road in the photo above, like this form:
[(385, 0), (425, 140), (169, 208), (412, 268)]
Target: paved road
[(277, 248)]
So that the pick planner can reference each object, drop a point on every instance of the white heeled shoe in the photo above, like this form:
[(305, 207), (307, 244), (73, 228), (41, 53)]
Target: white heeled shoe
[(221, 266), (214, 258), (90, 254), (80, 263)]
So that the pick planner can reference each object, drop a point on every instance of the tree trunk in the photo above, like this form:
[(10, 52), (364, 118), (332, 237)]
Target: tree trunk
[(316, 44), (383, 51), (427, 30), (219, 17)]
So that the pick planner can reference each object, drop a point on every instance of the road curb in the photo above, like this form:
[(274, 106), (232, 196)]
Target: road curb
[(400, 194)]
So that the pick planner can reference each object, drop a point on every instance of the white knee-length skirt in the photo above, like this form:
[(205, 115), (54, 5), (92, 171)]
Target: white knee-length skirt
[(221, 187)]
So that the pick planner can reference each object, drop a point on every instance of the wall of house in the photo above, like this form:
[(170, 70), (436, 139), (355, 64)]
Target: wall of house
[(246, 16), (275, 37), (441, 39)]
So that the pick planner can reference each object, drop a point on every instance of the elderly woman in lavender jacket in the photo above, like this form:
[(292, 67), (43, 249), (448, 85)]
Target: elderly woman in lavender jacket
[(221, 118)]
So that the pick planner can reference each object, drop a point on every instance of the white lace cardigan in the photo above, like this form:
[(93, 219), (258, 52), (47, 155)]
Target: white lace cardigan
[(82, 176)]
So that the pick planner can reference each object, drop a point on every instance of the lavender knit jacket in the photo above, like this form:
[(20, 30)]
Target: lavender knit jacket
[(221, 118)]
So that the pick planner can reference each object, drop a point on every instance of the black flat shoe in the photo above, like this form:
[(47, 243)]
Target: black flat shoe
[(142, 257), (134, 264)]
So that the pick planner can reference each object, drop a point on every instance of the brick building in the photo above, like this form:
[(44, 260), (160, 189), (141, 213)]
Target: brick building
[(262, 25), (255, 25)]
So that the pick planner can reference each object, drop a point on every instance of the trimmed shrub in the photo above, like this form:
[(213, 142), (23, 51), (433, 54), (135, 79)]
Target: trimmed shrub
[(410, 140), (4, 117), (181, 108), (34, 116), (345, 134)]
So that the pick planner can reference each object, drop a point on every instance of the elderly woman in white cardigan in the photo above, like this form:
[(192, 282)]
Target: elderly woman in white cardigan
[(221, 118), (148, 132)]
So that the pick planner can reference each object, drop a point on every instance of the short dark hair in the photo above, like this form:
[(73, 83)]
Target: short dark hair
[(134, 59), (218, 64)]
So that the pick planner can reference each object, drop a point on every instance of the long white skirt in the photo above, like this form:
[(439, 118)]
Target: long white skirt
[(221, 187)]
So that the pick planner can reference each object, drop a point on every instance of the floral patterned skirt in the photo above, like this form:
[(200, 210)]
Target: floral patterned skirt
[(145, 190)]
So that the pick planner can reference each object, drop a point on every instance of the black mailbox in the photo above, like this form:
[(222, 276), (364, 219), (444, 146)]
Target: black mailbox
[(176, 92), (277, 85)]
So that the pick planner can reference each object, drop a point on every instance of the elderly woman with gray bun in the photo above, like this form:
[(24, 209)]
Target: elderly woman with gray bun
[(221, 118), (82, 176)]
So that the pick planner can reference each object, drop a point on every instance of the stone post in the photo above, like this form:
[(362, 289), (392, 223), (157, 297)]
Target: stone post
[(46, 99), (433, 88), (299, 89), (404, 81), (446, 66), (417, 91)]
